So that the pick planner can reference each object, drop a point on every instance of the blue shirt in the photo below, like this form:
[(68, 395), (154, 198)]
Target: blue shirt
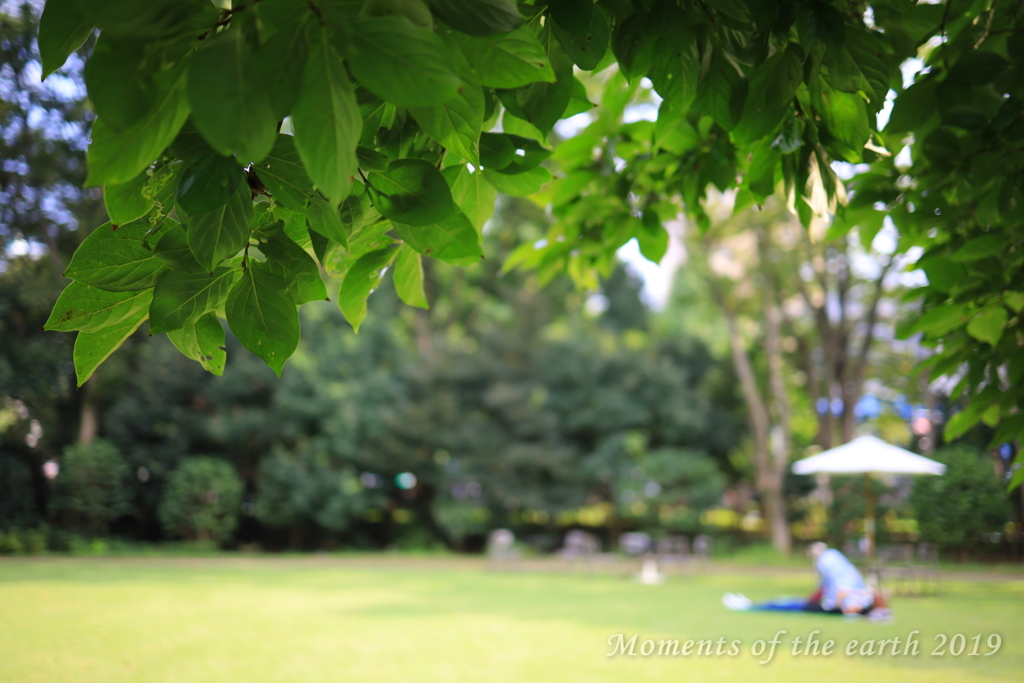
[(838, 576)]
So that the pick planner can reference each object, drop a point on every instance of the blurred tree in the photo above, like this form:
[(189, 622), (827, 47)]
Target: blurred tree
[(308, 496), (17, 504), (91, 489), (957, 509), (801, 314), (201, 500), (44, 215), (529, 397)]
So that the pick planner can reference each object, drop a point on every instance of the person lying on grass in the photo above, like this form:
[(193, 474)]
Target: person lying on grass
[(841, 590)]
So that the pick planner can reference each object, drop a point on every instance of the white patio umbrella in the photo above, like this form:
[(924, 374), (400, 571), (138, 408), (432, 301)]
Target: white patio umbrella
[(868, 455)]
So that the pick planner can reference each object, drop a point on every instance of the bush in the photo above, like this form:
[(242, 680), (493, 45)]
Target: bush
[(460, 519), (10, 542), (969, 501), (676, 484), (304, 492), (26, 541), (201, 500), (91, 489)]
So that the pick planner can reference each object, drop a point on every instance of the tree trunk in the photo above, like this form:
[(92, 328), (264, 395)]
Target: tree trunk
[(88, 420), (769, 482), (774, 504)]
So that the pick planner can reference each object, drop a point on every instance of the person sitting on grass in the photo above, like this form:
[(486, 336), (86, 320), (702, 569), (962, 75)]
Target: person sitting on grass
[(841, 590)]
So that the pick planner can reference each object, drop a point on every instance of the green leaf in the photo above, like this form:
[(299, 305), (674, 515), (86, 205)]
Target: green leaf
[(411, 191), (328, 123), (586, 50), (913, 107), (173, 250), (673, 132), (652, 237), (578, 102), (845, 116), (524, 129), (1017, 479), (92, 348), (453, 240), (115, 258), (203, 342), (371, 159), (282, 60), (1011, 428), (478, 17), (722, 93), (81, 307), (326, 220), (456, 123), (962, 421), (127, 202), (351, 213), (161, 189), (189, 144), (786, 77), (987, 324), (284, 176), (819, 21), (297, 268), (519, 185), (496, 150), (400, 62), (370, 238), (977, 67), (361, 279), (472, 194), (632, 45), (760, 177), (230, 102), (1015, 300), (181, 297), (221, 233), (208, 183), (511, 60), (868, 52), (409, 277), (676, 62), (941, 319), (982, 247), (119, 156), (150, 20), (943, 274), (263, 316), (543, 103), (62, 30), (527, 154), (121, 84), (573, 15)]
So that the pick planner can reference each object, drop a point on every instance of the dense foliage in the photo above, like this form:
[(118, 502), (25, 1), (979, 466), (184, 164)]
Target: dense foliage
[(44, 215), (966, 506), (509, 407), (215, 210), (189, 95), (246, 147)]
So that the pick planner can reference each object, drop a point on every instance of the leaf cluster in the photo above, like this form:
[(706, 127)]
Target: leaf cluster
[(245, 152)]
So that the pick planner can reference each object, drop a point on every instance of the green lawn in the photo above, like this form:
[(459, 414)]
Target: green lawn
[(309, 619)]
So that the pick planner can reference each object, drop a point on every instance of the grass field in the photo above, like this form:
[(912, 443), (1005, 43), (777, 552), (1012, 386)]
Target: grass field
[(311, 619)]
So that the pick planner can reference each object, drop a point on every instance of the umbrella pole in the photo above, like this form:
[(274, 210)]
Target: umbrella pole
[(869, 515)]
